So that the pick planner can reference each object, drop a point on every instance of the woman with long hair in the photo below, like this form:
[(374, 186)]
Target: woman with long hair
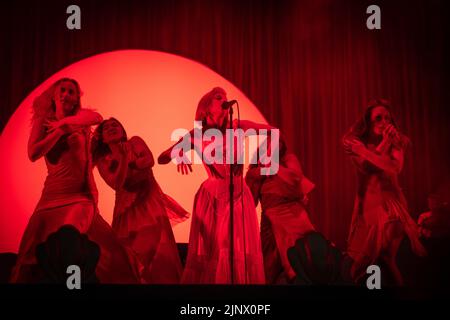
[(208, 260), (284, 219), (61, 134), (142, 211), (380, 216)]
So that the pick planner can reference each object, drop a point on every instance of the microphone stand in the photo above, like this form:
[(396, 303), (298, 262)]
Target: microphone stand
[(231, 197)]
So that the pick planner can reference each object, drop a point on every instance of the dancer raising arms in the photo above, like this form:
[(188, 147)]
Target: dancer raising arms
[(380, 216), (208, 259), (61, 134)]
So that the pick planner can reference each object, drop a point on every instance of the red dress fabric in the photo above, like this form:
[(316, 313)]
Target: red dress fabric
[(379, 202), (283, 221), (208, 260), (142, 220), (70, 197)]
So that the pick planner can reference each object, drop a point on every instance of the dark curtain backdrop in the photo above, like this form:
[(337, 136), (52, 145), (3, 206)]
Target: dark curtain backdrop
[(310, 66)]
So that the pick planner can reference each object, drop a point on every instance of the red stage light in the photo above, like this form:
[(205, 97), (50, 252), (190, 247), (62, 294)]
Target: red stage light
[(151, 93)]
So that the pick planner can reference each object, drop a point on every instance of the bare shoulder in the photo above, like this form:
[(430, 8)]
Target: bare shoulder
[(92, 112), (136, 140), (138, 144), (86, 110)]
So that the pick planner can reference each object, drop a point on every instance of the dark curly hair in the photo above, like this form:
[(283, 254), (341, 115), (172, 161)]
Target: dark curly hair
[(99, 148)]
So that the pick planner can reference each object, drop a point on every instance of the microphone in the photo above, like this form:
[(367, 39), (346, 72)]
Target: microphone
[(227, 104)]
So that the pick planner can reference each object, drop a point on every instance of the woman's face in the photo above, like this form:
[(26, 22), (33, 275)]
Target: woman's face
[(379, 119), (66, 98), (216, 112), (112, 131)]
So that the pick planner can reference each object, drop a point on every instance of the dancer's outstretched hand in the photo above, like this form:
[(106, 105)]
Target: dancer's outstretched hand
[(184, 166)]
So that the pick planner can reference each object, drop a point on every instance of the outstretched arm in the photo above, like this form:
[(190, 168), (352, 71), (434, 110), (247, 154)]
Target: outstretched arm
[(349, 142), (248, 124), (83, 118), (184, 166), (166, 156), (45, 133)]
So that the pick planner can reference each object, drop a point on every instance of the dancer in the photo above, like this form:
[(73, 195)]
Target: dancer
[(208, 259), (284, 219), (61, 133), (142, 210), (380, 216)]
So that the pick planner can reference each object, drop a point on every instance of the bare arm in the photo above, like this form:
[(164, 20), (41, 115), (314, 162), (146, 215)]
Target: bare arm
[(105, 173), (247, 124), (166, 156), (115, 176), (349, 142), (390, 163), (144, 155), (41, 142), (83, 118)]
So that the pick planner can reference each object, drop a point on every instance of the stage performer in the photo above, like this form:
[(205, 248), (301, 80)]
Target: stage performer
[(284, 219), (142, 211), (208, 260), (380, 216), (61, 134)]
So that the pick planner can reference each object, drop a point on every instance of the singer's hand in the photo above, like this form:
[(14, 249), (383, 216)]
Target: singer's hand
[(348, 146), (389, 132), (183, 168)]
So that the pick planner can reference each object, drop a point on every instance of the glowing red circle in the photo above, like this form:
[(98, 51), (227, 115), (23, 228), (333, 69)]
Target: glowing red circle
[(151, 93)]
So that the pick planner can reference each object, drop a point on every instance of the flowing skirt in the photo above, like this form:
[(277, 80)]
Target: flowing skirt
[(116, 264), (283, 225), (208, 260), (144, 226), (368, 237)]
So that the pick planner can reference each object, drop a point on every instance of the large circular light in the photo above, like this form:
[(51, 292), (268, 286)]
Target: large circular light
[(151, 93)]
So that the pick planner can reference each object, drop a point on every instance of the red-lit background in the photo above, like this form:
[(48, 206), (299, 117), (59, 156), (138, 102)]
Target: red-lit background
[(309, 66), (152, 93)]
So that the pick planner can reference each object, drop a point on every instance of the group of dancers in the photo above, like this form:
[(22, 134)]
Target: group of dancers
[(139, 246)]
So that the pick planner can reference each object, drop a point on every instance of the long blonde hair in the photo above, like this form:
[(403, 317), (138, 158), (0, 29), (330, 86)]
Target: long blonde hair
[(205, 104)]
